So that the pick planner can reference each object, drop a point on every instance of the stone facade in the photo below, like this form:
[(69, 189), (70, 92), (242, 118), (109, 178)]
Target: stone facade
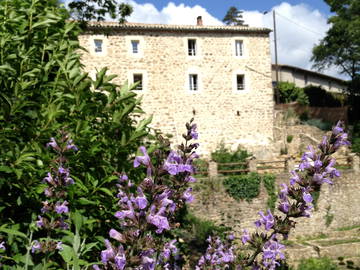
[(159, 54)]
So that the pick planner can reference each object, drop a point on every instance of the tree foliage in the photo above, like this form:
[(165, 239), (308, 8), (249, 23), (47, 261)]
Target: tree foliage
[(44, 90), (87, 10), (341, 45), (233, 17)]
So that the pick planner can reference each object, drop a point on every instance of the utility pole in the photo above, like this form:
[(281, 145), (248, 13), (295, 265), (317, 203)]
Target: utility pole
[(276, 61)]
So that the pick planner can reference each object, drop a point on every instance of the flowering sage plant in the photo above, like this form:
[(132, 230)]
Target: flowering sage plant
[(295, 201), (148, 210), (54, 213)]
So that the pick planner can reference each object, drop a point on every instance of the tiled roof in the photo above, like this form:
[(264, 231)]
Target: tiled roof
[(169, 27)]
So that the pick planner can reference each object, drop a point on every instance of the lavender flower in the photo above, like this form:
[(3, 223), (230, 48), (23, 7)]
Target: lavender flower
[(2, 245), (144, 160), (267, 221), (35, 246), (245, 237), (61, 208), (271, 253)]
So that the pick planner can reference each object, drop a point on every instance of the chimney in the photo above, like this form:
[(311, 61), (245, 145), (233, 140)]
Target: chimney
[(199, 21)]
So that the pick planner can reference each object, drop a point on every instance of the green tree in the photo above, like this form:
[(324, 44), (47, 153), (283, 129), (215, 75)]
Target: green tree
[(341, 45), (233, 17), (87, 10)]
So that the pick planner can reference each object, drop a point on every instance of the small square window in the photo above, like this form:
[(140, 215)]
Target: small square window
[(135, 46), (98, 45), (240, 82), (238, 47), (193, 82), (138, 78), (192, 47)]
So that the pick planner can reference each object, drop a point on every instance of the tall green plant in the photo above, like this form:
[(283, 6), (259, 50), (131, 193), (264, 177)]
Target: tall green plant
[(44, 90)]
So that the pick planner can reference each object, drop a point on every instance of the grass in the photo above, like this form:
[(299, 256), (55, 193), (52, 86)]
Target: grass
[(348, 228)]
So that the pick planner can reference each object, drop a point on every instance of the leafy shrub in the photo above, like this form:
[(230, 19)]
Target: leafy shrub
[(225, 155), (269, 183), (43, 91), (201, 166), (323, 125), (317, 264), (289, 92), (318, 97), (243, 187)]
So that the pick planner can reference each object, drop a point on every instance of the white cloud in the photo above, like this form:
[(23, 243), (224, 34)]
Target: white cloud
[(299, 28), (171, 14)]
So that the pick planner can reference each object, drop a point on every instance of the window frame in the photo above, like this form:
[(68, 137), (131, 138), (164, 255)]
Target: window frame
[(246, 82), (240, 52), (137, 42), (193, 84), (192, 52)]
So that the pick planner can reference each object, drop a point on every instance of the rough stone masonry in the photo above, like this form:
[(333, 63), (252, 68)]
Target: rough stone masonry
[(220, 75)]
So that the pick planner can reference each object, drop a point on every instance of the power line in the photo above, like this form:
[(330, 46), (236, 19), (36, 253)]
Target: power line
[(300, 25)]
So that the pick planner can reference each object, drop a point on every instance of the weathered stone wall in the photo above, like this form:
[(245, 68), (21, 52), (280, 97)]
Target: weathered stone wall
[(341, 200), (221, 112)]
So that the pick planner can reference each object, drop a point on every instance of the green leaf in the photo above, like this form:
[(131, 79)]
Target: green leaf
[(85, 201), (13, 232), (67, 253), (107, 191)]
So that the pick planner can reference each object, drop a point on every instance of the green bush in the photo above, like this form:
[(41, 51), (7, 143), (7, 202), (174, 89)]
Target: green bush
[(243, 187), (317, 264), (318, 97), (44, 90), (269, 183), (289, 138), (225, 155), (289, 92)]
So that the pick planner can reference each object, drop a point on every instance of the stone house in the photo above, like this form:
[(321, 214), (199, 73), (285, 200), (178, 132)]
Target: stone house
[(220, 75), (303, 77)]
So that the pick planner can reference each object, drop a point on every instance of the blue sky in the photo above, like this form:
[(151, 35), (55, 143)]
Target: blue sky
[(218, 8)]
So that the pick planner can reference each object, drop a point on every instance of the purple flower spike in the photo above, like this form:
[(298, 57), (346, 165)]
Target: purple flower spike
[(61, 208), (96, 267), (144, 160), (2, 245), (187, 196), (71, 146), (35, 246), (245, 237), (272, 252), (295, 178), (108, 253), (53, 144), (161, 222), (306, 196), (116, 235), (193, 132), (338, 128), (267, 221), (40, 222), (141, 201)]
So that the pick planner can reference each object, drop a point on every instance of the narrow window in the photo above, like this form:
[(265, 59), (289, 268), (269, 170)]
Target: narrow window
[(306, 79), (192, 47), (98, 45), (193, 82), (135, 46), (240, 82), (138, 78), (238, 47)]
